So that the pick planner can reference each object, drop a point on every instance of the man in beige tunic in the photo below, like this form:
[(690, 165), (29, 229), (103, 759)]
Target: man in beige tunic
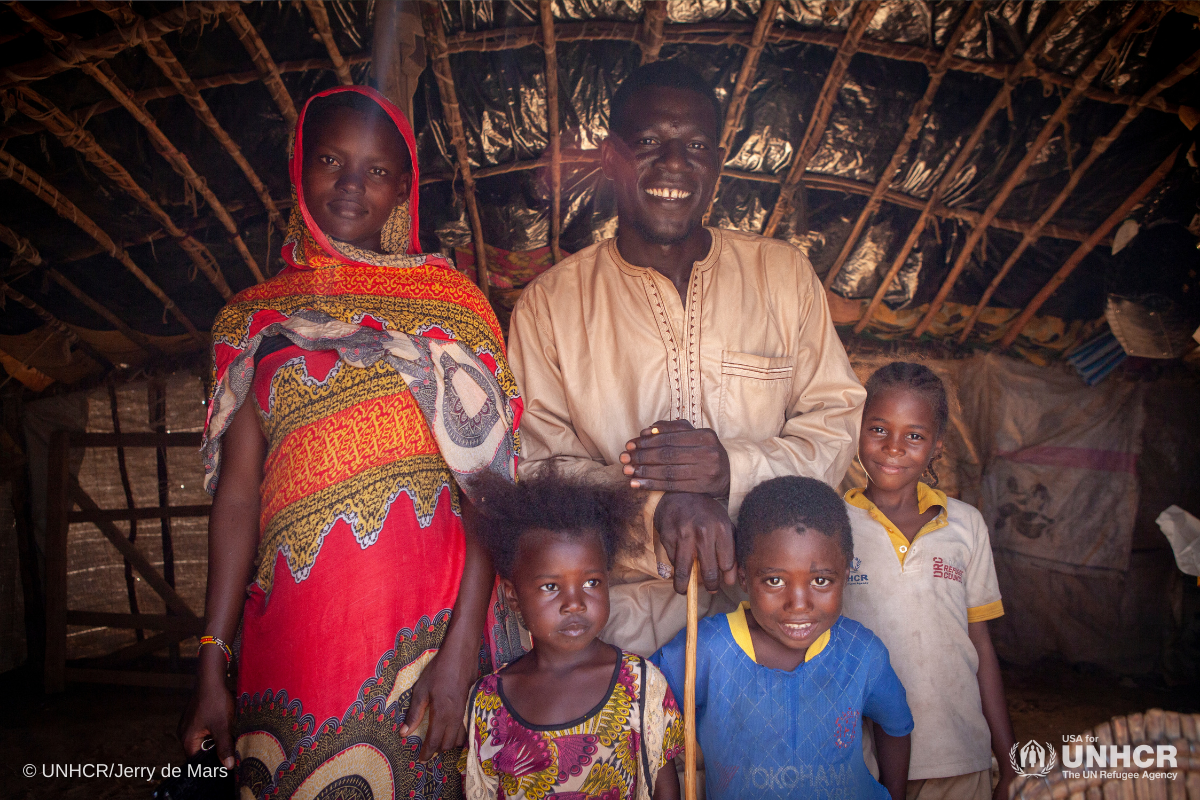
[(692, 362)]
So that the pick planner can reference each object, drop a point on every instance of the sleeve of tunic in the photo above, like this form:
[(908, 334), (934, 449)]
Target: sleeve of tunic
[(547, 434), (821, 422)]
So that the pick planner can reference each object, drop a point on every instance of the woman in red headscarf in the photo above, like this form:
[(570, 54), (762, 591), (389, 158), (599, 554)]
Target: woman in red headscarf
[(355, 397)]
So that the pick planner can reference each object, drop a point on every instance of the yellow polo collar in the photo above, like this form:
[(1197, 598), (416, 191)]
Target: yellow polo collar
[(741, 634), (926, 499)]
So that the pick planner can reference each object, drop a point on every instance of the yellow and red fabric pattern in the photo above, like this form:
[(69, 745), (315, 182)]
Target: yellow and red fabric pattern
[(382, 390)]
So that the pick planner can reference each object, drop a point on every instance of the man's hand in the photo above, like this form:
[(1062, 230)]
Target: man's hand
[(695, 526), (672, 456)]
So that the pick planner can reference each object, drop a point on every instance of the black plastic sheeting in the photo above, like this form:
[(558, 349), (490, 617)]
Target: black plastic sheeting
[(502, 99)]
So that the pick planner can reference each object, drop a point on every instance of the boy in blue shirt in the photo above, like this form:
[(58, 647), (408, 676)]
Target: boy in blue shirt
[(784, 681)]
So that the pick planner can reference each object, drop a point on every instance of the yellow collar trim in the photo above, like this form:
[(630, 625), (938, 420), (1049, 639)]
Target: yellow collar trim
[(927, 498), (741, 634)]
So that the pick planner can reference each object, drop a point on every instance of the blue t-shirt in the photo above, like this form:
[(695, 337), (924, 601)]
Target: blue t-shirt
[(770, 733)]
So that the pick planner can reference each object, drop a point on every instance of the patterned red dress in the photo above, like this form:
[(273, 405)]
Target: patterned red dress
[(381, 386)]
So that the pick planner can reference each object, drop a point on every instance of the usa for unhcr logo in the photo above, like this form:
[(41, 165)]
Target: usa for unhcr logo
[(1035, 761), (1085, 757)]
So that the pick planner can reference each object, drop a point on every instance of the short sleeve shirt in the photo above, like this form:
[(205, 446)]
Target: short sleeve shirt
[(770, 733), (918, 597), (614, 752)]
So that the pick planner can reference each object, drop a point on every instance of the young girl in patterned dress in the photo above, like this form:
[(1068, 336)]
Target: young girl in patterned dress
[(575, 717)]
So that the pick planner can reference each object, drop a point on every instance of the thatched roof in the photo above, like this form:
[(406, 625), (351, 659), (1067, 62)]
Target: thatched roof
[(954, 170)]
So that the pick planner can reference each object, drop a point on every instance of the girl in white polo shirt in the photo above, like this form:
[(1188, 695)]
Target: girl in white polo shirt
[(925, 583)]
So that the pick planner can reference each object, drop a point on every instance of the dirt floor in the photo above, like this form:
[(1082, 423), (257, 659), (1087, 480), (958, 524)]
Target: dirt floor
[(135, 727)]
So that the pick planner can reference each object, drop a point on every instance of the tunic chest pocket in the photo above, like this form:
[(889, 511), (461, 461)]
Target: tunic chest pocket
[(754, 395)]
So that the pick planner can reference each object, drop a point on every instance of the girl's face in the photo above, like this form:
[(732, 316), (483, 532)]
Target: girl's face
[(560, 586), (899, 438), (356, 170)]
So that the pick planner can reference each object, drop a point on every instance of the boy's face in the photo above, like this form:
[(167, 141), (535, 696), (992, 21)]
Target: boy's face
[(560, 586), (795, 579), (356, 170)]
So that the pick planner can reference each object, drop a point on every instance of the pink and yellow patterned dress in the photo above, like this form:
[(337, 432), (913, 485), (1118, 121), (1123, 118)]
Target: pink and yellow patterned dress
[(614, 752)]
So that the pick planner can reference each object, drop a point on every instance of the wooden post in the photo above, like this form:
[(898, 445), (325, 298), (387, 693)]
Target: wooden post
[(689, 686), (436, 33), (127, 486), (385, 51), (650, 32), (1082, 251), (864, 12), (1064, 14), (316, 10), (916, 121), (1106, 54), (1099, 146), (546, 10), (57, 499)]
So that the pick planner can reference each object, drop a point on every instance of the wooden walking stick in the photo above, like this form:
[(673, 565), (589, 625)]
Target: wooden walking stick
[(689, 686)]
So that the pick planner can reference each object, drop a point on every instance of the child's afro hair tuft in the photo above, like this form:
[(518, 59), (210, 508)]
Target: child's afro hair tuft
[(792, 502), (550, 501)]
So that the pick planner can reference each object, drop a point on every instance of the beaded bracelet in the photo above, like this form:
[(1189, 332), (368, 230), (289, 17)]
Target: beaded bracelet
[(224, 647)]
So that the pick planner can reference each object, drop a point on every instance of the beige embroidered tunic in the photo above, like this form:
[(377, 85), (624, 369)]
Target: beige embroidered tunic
[(601, 349)]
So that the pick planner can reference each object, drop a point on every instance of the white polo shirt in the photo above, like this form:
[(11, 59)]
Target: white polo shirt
[(918, 598)]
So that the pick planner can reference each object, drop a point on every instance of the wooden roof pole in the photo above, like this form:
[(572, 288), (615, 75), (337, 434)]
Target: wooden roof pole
[(745, 78), (140, 340), (169, 65), (263, 62), (103, 74), (1098, 149), (916, 121), (1085, 77), (85, 113), (316, 10), (30, 180), (25, 251), (831, 183), (1064, 14), (57, 324), (650, 32), (741, 87), (435, 34), (108, 45), (546, 11), (1114, 219), (864, 12), (36, 107)]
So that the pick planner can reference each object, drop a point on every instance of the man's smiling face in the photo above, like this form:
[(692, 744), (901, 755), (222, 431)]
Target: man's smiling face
[(664, 163)]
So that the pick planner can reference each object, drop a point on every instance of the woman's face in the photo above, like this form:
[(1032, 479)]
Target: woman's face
[(356, 170)]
